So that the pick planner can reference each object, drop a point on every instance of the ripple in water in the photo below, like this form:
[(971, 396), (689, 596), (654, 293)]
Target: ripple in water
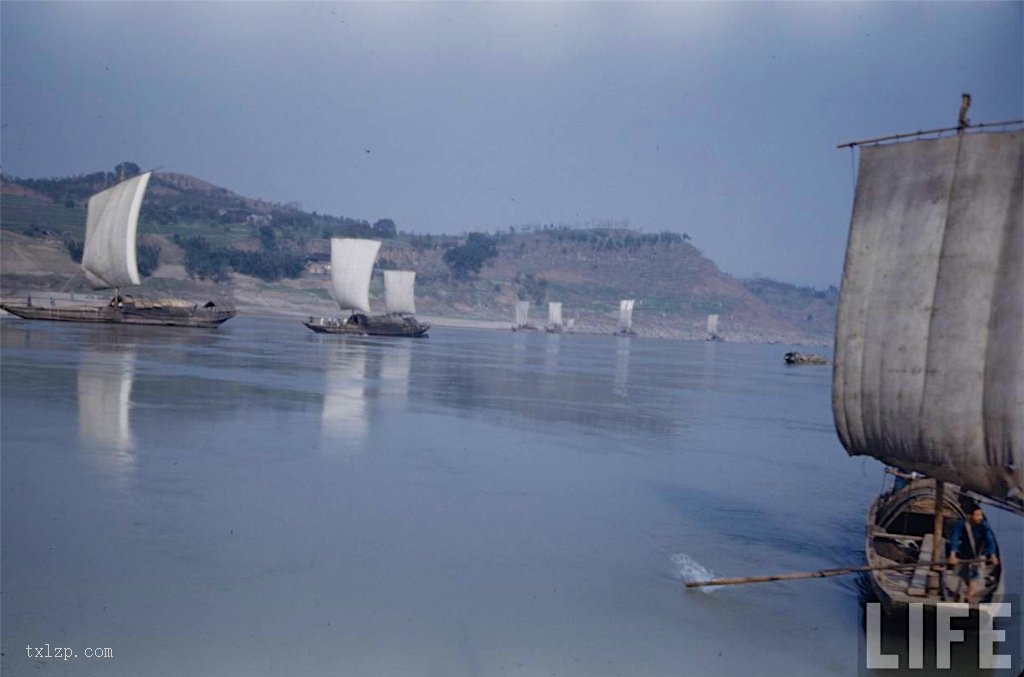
[(690, 571)]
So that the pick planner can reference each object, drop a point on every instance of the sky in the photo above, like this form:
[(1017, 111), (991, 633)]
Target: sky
[(719, 120)]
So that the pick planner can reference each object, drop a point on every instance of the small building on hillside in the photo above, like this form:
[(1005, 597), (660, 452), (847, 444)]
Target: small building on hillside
[(318, 263)]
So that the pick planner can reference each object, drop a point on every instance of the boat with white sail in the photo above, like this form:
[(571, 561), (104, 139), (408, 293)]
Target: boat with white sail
[(352, 262), (555, 324), (928, 372), (713, 334), (626, 317), (109, 262), (523, 317)]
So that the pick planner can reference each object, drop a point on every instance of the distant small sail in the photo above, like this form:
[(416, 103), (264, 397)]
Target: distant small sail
[(713, 325), (522, 312), (112, 220), (555, 314), (400, 291), (351, 267), (626, 314)]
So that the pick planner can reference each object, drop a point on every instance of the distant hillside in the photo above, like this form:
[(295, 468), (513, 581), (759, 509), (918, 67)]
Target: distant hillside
[(265, 255)]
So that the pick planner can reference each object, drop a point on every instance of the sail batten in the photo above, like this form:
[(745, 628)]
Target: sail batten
[(929, 371), (351, 267), (626, 314), (112, 219), (400, 291)]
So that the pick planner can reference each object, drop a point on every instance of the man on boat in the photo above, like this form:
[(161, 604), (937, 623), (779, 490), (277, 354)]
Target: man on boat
[(972, 538)]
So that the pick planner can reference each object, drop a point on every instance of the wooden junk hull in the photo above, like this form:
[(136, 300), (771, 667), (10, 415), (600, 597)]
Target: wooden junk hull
[(899, 531), (177, 315), (369, 325)]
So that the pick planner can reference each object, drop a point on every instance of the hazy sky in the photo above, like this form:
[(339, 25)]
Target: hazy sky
[(715, 119)]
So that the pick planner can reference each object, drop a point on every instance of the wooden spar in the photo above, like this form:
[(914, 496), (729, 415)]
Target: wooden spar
[(893, 137), (937, 554), (823, 573)]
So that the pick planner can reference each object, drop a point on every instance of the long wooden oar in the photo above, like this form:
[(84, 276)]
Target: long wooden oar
[(825, 573)]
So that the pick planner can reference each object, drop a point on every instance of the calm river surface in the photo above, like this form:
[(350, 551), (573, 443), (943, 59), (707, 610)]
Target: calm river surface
[(262, 500)]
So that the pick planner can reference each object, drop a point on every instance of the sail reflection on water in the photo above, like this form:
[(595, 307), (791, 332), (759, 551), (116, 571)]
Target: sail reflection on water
[(395, 363), (344, 422), (621, 366), (104, 410)]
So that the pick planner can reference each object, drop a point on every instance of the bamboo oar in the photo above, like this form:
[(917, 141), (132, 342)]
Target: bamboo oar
[(825, 573)]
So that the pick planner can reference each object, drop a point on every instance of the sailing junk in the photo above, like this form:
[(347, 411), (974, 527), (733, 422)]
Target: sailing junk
[(352, 262), (626, 317), (713, 334), (109, 262), (555, 324), (928, 371), (522, 317)]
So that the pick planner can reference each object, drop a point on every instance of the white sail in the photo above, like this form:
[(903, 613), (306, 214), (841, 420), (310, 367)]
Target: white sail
[(626, 314), (400, 291), (713, 325), (929, 358), (522, 312), (555, 314), (112, 220), (351, 267)]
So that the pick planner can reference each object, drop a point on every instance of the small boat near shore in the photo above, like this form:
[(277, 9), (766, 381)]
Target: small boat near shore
[(523, 317), (109, 262), (713, 334), (804, 358), (626, 318), (555, 324), (352, 262)]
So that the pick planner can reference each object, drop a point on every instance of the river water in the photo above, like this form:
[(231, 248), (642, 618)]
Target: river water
[(262, 500)]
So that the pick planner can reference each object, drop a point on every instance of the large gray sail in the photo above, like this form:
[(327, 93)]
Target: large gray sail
[(112, 220), (929, 355)]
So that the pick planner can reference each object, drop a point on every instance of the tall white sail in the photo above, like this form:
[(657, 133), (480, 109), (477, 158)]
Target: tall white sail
[(351, 267), (929, 357), (400, 291), (112, 220), (626, 314), (522, 312), (713, 325), (555, 314)]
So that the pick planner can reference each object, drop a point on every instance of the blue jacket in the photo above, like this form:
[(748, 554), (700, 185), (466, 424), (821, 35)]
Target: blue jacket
[(984, 540)]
